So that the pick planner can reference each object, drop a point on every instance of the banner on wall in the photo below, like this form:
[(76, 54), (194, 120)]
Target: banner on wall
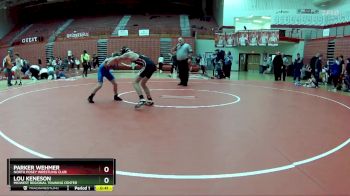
[(230, 40), (144, 32), (219, 40), (247, 38), (78, 35), (123, 32), (273, 38)]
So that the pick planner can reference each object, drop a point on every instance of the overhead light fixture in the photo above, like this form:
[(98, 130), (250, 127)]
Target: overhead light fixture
[(251, 16), (257, 21), (266, 17), (237, 19)]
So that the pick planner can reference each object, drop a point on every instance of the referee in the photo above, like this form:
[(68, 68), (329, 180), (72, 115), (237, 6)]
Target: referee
[(183, 59)]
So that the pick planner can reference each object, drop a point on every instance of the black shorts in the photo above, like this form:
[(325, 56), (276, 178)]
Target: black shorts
[(147, 71)]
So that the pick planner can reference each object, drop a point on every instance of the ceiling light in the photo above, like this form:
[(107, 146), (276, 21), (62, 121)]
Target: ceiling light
[(257, 21), (266, 17)]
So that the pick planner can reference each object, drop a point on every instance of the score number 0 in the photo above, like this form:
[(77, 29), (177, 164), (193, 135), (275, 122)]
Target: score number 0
[(106, 170)]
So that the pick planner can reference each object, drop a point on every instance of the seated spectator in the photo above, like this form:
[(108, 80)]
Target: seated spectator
[(60, 74), (51, 72), (43, 73), (34, 70), (311, 83)]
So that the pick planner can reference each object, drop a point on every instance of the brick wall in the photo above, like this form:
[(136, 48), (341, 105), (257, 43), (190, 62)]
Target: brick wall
[(315, 46), (31, 52), (342, 47), (61, 48)]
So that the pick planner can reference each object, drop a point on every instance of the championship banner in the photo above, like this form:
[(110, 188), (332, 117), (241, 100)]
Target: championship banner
[(253, 38), (243, 38), (247, 38), (230, 40), (263, 38), (273, 38), (219, 40)]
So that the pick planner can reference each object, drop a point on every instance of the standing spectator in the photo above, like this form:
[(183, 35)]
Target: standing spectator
[(183, 60), (7, 65), (277, 65), (228, 64), (85, 59), (284, 67), (203, 64), (160, 63), (313, 63), (335, 73), (95, 62), (77, 63), (298, 65), (318, 69), (347, 76)]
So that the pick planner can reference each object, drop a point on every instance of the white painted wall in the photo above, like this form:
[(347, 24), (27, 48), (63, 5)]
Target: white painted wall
[(203, 46), (251, 26), (338, 13)]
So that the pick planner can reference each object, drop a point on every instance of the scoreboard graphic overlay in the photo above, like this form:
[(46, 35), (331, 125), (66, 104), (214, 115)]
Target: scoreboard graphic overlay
[(61, 174)]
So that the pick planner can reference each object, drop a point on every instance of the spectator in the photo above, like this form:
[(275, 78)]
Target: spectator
[(277, 65), (335, 73), (298, 65), (313, 63), (85, 59), (44, 73), (34, 70), (160, 63), (347, 76), (228, 65), (95, 62), (203, 64), (318, 69), (285, 67), (77, 63)]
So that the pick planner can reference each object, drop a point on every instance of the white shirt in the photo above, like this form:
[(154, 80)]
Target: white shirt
[(161, 59), (43, 70), (19, 62), (242, 40), (183, 51), (35, 67)]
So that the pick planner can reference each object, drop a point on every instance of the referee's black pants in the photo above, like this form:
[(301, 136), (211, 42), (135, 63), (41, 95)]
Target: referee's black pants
[(183, 71)]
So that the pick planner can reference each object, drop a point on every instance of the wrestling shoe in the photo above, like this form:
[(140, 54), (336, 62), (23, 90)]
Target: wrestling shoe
[(116, 98), (140, 103), (90, 99), (149, 103)]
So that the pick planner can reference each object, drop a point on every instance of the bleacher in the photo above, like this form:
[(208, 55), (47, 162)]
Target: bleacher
[(42, 29), (157, 24), (95, 26), (203, 28)]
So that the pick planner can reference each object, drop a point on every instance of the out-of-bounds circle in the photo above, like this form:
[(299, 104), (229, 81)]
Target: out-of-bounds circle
[(235, 99)]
